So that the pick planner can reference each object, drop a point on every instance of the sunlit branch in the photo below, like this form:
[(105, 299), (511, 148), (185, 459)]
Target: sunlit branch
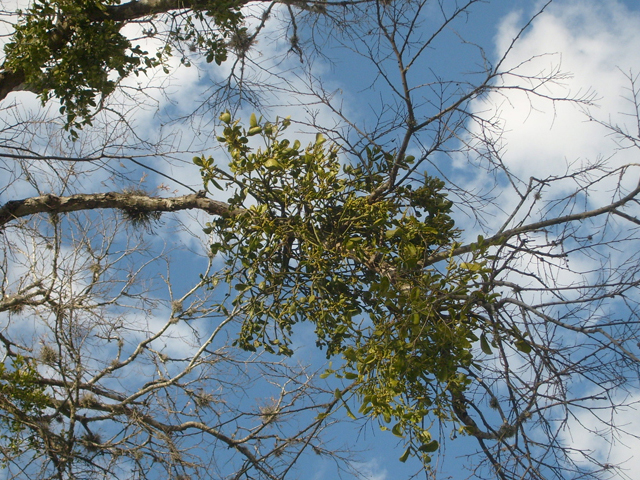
[(15, 209)]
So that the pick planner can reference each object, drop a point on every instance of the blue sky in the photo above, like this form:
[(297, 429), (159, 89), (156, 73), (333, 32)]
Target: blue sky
[(595, 41), (592, 41)]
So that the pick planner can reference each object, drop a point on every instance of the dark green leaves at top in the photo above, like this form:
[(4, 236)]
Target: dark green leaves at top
[(71, 50)]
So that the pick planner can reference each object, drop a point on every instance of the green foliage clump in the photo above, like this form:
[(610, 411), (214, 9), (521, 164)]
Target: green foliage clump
[(308, 240), (22, 401), (73, 51), (210, 30)]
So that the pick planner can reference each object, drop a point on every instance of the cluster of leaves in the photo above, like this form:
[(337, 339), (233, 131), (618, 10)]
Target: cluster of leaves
[(307, 240), (73, 51), (212, 41), (66, 53), (315, 245), (23, 400)]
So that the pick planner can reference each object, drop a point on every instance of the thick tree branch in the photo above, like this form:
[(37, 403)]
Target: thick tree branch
[(123, 201), (137, 9), (11, 82), (126, 12)]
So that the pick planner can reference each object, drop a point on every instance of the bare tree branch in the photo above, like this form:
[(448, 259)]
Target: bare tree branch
[(53, 204)]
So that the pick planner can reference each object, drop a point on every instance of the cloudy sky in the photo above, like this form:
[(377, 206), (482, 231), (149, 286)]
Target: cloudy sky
[(594, 42)]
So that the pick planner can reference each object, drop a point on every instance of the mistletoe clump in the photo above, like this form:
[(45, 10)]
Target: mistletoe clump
[(310, 239)]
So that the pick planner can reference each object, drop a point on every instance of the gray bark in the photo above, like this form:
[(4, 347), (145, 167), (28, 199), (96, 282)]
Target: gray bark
[(124, 201)]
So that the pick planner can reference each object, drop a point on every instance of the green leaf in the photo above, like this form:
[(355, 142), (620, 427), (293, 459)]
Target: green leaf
[(351, 242), (350, 354), (384, 285), (272, 163), (349, 412), (253, 121), (216, 184), (523, 346), (405, 455), (430, 447), (473, 267), (484, 345)]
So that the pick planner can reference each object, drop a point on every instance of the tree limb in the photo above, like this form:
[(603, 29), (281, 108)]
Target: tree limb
[(124, 201)]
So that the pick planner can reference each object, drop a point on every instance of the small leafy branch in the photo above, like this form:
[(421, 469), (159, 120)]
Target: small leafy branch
[(23, 400)]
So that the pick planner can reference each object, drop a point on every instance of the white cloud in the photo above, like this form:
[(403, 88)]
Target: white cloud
[(370, 470), (542, 138), (590, 431), (594, 41)]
